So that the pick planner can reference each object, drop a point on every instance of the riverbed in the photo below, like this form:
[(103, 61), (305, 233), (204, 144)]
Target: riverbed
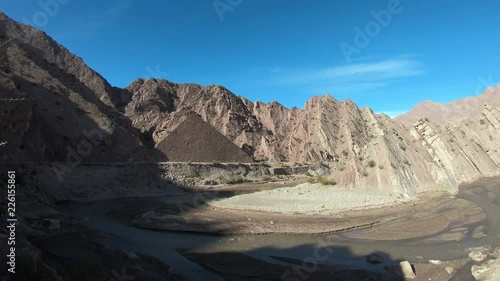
[(347, 249)]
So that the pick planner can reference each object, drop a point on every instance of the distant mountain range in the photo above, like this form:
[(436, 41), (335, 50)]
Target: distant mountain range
[(54, 108)]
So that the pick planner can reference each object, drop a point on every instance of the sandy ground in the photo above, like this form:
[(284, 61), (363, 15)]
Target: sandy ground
[(309, 198), (429, 214)]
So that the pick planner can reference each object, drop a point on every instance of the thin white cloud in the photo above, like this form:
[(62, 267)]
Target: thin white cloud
[(356, 78), (381, 70)]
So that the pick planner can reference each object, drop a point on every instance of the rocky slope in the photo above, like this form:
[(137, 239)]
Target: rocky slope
[(195, 140), (364, 149), (55, 108), (453, 112)]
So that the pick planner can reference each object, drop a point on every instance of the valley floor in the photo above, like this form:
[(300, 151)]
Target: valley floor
[(313, 209)]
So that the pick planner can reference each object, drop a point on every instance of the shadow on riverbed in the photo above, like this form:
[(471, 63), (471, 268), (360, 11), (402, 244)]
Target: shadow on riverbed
[(316, 264)]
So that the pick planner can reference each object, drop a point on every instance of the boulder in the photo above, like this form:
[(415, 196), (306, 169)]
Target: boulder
[(477, 256), (449, 269), (406, 270), (479, 271)]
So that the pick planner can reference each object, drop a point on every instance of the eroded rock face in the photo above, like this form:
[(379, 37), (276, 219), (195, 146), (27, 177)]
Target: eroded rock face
[(363, 148)]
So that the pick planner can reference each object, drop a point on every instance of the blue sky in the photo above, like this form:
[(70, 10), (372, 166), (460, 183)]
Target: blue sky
[(388, 55)]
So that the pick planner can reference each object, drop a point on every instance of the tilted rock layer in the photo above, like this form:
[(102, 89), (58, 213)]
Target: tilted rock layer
[(55, 108)]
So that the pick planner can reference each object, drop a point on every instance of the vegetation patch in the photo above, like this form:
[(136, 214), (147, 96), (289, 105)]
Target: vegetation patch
[(322, 180), (236, 180), (193, 175)]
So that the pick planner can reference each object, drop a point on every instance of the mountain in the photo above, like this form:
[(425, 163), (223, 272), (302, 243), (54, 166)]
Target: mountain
[(454, 111), (55, 108), (195, 140)]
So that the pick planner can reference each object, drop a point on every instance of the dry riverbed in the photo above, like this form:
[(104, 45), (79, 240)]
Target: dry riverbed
[(315, 209), (309, 198)]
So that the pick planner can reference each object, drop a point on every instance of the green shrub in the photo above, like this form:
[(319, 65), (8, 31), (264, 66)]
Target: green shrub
[(322, 180), (221, 179), (308, 174), (235, 180), (372, 163), (193, 175)]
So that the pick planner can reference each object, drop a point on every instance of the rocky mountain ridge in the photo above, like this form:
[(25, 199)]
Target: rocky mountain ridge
[(453, 112), (55, 108)]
